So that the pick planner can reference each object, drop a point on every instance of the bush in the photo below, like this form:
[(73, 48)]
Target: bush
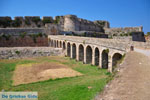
[(6, 36), (129, 33), (5, 23), (46, 21), (39, 34), (36, 19), (45, 35), (27, 22), (33, 36), (16, 23), (22, 35), (56, 21), (121, 34), (114, 34), (17, 52), (148, 33)]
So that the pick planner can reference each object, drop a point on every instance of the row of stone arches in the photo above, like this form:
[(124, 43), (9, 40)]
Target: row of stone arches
[(87, 54)]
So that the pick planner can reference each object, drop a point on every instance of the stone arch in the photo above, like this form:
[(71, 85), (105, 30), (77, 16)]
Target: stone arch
[(116, 57), (105, 58), (51, 43), (88, 55), (60, 44), (73, 51), (97, 55), (68, 49), (57, 44), (64, 46), (81, 52)]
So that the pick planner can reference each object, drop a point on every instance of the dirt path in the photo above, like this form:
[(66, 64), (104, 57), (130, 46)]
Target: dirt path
[(132, 81)]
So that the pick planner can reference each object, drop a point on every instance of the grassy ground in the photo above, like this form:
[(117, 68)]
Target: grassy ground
[(83, 87)]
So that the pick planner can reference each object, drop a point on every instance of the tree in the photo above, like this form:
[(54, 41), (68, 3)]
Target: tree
[(148, 33)]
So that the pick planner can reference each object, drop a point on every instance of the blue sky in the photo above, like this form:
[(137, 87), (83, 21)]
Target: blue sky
[(119, 13)]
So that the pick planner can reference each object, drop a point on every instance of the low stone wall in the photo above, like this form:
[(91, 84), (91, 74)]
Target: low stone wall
[(143, 45), (24, 52)]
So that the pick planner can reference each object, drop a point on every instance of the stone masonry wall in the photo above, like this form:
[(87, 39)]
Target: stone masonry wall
[(15, 37), (121, 31), (17, 31), (27, 21), (64, 23), (17, 41), (24, 52), (73, 23)]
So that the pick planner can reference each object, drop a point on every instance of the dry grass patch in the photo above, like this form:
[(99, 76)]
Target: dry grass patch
[(29, 73)]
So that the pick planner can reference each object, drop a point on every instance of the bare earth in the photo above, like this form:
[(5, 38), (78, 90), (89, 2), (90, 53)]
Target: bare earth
[(29, 73), (132, 81)]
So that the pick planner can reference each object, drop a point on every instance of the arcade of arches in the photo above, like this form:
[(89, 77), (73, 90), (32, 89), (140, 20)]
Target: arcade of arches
[(89, 54)]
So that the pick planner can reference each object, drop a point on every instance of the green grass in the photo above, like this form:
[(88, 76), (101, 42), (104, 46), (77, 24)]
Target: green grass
[(75, 88)]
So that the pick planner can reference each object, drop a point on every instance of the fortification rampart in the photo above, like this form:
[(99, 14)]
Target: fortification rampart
[(19, 37), (122, 31), (18, 31), (27, 21), (64, 23), (23, 41)]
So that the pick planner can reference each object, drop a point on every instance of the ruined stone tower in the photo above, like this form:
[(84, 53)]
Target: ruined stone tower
[(70, 23)]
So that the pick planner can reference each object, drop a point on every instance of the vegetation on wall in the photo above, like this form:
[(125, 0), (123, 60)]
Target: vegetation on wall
[(16, 23), (34, 36), (148, 33), (7, 37), (17, 52), (56, 21), (27, 22), (22, 35), (36, 20), (106, 51), (45, 21), (5, 23)]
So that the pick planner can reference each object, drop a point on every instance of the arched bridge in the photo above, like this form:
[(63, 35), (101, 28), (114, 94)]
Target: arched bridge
[(101, 52)]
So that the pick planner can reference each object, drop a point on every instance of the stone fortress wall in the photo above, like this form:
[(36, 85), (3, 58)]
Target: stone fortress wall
[(119, 31), (64, 23), (24, 22), (48, 25), (73, 23), (20, 37)]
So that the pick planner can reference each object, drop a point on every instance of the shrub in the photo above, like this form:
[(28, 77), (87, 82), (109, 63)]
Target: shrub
[(148, 33), (22, 35), (114, 34), (107, 51), (84, 42), (56, 21), (33, 36), (27, 22), (7, 37), (17, 52), (39, 34), (16, 23), (46, 21), (121, 34), (45, 35), (36, 19), (5, 23)]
